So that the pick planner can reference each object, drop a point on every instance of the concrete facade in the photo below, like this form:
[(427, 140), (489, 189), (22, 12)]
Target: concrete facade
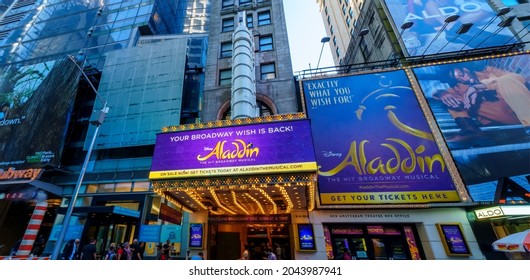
[(277, 93)]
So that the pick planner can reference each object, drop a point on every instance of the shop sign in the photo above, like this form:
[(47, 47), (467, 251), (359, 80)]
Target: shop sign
[(250, 219), (196, 236), (23, 174), (169, 214), (489, 213)]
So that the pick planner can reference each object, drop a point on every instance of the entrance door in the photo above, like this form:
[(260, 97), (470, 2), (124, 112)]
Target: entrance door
[(228, 245)]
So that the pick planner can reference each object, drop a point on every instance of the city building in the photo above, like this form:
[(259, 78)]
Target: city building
[(434, 44), (67, 68)]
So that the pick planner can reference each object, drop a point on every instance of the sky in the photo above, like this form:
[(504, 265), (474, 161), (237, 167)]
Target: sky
[(305, 30)]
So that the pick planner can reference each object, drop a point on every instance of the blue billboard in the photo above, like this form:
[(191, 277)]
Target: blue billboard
[(431, 27)]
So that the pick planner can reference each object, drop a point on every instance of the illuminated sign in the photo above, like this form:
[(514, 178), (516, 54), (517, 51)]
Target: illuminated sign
[(24, 174), (489, 213), (372, 142), (276, 147), (453, 239), (306, 237), (169, 214), (196, 236)]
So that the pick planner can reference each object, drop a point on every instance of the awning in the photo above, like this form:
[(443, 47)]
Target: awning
[(47, 187), (517, 242)]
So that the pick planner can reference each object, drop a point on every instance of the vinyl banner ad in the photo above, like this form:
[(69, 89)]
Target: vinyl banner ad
[(372, 142), (438, 26), (35, 104), (483, 110), (276, 147)]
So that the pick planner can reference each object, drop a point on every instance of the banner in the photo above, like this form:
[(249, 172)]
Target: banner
[(372, 142), (276, 147), (433, 31), (482, 109)]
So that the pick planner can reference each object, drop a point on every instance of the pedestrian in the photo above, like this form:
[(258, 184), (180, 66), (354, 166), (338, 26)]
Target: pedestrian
[(199, 256), (111, 252), (125, 252), (165, 250), (38, 246), (136, 251), (246, 253), (270, 255), (142, 249), (158, 252), (71, 250), (89, 251)]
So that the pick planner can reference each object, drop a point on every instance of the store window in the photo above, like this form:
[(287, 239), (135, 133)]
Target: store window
[(123, 187), (264, 18), (265, 43), (141, 186), (228, 25), (268, 71), (372, 242)]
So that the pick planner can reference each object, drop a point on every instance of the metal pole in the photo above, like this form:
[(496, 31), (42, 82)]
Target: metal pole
[(70, 208)]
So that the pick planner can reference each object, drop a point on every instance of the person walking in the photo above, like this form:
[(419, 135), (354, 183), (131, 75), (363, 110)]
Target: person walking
[(89, 251), (71, 250)]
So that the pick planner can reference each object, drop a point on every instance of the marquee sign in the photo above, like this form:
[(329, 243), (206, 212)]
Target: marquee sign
[(276, 147)]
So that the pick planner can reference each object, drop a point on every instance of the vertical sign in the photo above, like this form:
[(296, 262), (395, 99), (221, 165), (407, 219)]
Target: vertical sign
[(196, 236), (306, 237)]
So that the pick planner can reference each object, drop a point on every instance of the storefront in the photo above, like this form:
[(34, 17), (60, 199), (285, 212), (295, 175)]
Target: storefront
[(398, 234), (495, 222)]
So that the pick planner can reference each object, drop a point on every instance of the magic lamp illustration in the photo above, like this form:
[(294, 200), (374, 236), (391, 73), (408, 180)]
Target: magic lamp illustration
[(386, 92)]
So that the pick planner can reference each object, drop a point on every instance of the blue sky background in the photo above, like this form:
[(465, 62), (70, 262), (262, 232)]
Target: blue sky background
[(305, 29)]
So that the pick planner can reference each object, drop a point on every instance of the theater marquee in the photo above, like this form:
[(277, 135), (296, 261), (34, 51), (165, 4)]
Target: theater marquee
[(276, 147)]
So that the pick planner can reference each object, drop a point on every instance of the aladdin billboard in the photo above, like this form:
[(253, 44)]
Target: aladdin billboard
[(372, 142), (275, 147), (35, 105), (483, 110), (433, 30)]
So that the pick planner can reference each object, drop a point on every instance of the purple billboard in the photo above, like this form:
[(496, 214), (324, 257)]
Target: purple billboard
[(275, 147), (372, 142), (430, 27)]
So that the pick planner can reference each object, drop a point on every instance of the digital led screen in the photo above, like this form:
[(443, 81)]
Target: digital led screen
[(275, 147)]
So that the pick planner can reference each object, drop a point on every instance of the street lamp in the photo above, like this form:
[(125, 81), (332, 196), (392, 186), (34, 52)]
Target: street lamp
[(97, 121), (324, 40)]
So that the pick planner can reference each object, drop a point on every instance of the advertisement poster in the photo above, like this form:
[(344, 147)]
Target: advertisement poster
[(453, 238), (433, 31), (150, 233), (35, 104), (275, 147), (372, 142), (482, 110), (306, 237), (196, 236), (171, 233)]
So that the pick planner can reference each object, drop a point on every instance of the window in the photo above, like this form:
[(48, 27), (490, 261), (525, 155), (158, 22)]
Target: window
[(228, 3), (331, 29), (228, 24), (334, 40), (226, 49), (225, 77), (344, 10), (337, 51), (265, 43), (268, 71), (351, 12), (250, 21), (264, 18), (242, 2), (348, 22)]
